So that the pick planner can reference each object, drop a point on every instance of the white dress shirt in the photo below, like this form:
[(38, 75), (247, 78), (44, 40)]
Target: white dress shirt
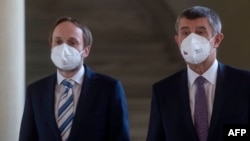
[(210, 75), (78, 78)]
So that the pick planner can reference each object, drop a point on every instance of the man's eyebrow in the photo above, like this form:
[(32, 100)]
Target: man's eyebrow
[(73, 38), (56, 37), (184, 28), (201, 27)]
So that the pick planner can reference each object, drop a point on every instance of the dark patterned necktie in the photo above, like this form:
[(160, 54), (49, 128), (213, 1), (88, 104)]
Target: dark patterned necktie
[(66, 110), (201, 110)]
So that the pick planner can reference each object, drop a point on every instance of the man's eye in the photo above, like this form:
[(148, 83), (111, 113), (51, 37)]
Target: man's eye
[(72, 43), (200, 32), (185, 33), (58, 42)]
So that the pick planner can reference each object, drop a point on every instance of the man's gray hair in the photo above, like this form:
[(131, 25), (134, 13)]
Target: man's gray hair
[(201, 12)]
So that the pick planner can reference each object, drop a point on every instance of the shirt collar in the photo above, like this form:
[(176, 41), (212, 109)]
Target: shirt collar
[(78, 77), (210, 74)]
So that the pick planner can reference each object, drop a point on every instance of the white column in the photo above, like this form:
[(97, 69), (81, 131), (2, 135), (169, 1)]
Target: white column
[(12, 68)]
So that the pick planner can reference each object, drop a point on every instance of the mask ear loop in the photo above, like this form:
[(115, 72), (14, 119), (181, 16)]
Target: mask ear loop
[(81, 52), (213, 37), (211, 48)]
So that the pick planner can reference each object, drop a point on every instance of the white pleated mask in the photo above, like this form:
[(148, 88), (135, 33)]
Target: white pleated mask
[(66, 57), (195, 48)]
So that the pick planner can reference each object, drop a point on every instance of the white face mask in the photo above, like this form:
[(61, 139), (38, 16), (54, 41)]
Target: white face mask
[(195, 49), (66, 57)]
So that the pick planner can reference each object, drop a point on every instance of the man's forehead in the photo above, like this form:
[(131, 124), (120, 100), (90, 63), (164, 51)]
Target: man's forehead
[(199, 23), (194, 27), (68, 27)]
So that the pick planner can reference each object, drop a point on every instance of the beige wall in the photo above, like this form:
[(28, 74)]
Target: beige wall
[(235, 49), (12, 68)]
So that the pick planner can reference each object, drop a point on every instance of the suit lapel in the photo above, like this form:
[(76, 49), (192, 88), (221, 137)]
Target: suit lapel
[(50, 105), (184, 91), (221, 91), (86, 97)]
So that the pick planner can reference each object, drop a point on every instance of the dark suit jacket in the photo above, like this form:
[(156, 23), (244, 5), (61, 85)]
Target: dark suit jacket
[(101, 113), (170, 118)]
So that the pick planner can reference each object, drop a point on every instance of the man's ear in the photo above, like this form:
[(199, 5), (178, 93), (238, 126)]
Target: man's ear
[(86, 51), (219, 37)]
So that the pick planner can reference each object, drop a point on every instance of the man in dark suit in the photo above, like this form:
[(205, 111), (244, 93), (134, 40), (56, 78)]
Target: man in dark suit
[(75, 103), (196, 103)]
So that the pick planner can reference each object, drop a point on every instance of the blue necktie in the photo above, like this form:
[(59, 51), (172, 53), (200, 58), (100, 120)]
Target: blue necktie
[(201, 110), (66, 110)]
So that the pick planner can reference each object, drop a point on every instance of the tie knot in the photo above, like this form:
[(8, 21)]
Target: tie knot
[(68, 83), (200, 80)]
